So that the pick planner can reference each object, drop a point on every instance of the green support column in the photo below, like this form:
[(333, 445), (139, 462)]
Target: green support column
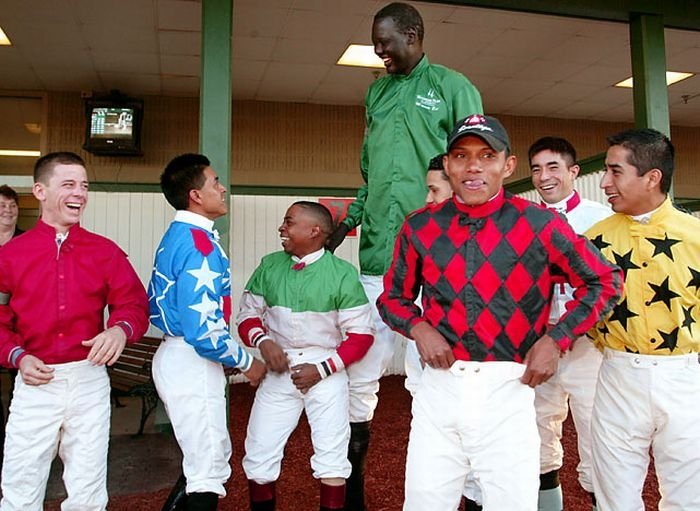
[(215, 103), (649, 72), (215, 96)]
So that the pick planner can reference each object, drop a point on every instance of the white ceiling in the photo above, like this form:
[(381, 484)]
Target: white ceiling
[(285, 50)]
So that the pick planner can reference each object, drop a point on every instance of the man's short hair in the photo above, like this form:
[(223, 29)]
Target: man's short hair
[(43, 168), (320, 213), (648, 149), (436, 165), (557, 145), (405, 16), (436, 162), (182, 174), (9, 193)]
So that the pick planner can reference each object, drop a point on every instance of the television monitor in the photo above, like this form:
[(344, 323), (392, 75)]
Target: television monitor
[(113, 126)]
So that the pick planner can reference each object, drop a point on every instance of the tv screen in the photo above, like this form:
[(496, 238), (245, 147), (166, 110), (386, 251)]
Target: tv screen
[(111, 122), (114, 127)]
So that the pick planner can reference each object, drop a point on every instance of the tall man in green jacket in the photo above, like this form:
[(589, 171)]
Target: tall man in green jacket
[(409, 114)]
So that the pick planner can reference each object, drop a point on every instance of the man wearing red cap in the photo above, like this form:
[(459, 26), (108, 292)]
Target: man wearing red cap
[(486, 263)]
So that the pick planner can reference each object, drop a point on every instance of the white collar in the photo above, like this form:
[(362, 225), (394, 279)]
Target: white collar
[(310, 258), (644, 218), (188, 217), (561, 206)]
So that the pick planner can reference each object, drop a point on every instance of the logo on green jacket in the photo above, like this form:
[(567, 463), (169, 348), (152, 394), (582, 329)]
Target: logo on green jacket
[(429, 101)]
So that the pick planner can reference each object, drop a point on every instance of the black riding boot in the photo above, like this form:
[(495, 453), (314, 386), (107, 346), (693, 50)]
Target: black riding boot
[(178, 498), (204, 501), (357, 452)]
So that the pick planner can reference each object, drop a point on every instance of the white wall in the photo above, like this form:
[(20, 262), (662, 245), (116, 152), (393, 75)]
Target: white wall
[(137, 221)]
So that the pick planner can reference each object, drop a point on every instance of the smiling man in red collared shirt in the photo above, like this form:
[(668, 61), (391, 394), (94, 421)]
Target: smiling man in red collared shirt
[(55, 282)]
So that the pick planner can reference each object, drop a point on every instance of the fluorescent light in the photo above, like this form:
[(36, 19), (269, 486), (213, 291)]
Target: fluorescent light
[(12, 152), (360, 55), (4, 40), (671, 78)]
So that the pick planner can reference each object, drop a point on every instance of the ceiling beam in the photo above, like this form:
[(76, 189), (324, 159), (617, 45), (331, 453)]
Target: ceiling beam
[(682, 14)]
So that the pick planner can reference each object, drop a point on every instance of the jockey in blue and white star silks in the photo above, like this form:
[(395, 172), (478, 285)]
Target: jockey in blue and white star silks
[(190, 301), (190, 290)]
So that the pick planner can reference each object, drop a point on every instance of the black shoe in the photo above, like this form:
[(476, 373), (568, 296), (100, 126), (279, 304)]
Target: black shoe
[(470, 505), (264, 505), (178, 497), (204, 501), (357, 453)]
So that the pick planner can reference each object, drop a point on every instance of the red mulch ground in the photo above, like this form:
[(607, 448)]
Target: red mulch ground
[(298, 491)]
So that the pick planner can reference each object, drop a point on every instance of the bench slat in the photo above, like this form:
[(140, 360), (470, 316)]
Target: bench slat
[(130, 376)]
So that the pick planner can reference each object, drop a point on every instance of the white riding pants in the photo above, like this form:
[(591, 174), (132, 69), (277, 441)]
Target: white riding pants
[(365, 373), (69, 415), (645, 401), (275, 414), (573, 385), (192, 389), (479, 418)]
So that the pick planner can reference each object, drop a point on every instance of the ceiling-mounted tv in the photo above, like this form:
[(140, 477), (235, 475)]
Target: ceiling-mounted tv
[(113, 125)]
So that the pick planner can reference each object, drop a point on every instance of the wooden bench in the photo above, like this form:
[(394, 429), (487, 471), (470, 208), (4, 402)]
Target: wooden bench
[(131, 375)]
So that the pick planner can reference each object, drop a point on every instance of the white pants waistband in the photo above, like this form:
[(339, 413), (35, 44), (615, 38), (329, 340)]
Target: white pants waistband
[(310, 354), (72, 367), (645, 361), (496, 370)]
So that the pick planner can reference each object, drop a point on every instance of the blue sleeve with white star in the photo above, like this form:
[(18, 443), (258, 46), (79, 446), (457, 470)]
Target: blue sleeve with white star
[(188, 293)]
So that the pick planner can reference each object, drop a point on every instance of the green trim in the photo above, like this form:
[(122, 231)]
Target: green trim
[(234, 189), (588, 166), (686, 202), (592, 164), (519, 186), (293, 190), (682, 14), (125, 187)]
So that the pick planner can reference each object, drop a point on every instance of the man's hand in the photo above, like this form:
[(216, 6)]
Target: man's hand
[(432, 346), (106, 346), (34, 371), (337, 236), (541, 361), (256, 372), (305, 376), (274, 356)]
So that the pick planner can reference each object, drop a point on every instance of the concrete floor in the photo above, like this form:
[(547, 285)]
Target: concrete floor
[(140, 464)]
